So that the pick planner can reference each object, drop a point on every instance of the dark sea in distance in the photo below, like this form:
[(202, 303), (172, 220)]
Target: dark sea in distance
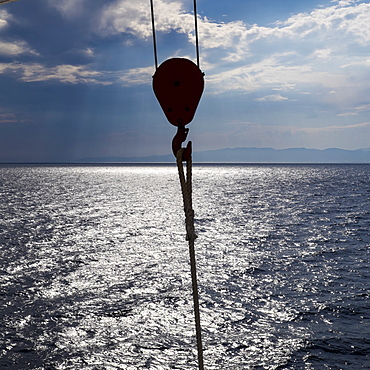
[(94, 267)]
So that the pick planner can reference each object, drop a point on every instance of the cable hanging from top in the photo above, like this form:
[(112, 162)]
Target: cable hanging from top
[(155, 39)]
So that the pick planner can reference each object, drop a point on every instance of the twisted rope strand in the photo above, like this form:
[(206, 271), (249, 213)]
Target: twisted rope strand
[(186, 189)]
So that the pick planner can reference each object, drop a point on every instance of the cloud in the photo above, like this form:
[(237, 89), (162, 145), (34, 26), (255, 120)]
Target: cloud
[(4, 18), (15, 48), (348, 114), (136, 76), (77, 74), (362, 108), (276, 97), (127, 16), (8, 118), (273, 73), (356, 111), (345, 18), (323, 54), (10, 47), (311, 53), (335, 127), (357, 61), (69, 8), (68, 74), (315, 53), (88, 52), (306, 51), (342, 19)]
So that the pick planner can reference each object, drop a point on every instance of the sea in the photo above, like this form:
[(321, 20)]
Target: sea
[(95, 273)]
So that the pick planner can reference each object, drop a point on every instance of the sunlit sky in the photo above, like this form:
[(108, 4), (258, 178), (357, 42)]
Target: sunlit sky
[(75, 76)]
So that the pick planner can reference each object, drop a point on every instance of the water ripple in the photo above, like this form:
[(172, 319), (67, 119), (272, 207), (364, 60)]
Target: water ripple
[(95, 273)]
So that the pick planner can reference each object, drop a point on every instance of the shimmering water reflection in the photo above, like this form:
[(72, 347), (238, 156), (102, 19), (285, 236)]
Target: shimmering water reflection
[(95, 274)]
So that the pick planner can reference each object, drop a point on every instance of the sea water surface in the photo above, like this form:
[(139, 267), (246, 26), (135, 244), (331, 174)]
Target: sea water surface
[(94, 267)]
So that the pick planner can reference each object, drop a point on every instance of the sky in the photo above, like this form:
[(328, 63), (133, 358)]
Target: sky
[(76, 76)]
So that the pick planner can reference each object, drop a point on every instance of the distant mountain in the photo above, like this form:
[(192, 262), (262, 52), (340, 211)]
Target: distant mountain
[(293, 155), (254, 155)]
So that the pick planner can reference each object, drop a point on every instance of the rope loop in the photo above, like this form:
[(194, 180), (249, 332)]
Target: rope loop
[(186, 188)]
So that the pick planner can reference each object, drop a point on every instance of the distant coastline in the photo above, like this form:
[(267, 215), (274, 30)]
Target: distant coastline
[(253, 155), (233, 155)]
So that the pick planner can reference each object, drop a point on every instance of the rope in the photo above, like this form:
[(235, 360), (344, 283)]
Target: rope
[(186, 189), (154, 38), (196, 31)]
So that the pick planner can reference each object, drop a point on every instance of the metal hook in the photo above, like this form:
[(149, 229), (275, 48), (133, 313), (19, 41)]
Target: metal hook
[(177, 141)]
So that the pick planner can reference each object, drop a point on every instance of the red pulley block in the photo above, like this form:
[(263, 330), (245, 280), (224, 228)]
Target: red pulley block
[(178, 85)]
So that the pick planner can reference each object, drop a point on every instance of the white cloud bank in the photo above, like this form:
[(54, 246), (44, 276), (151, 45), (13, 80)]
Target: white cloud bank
[(316, 48), (345, 18), (134, 17), (323, 50)]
